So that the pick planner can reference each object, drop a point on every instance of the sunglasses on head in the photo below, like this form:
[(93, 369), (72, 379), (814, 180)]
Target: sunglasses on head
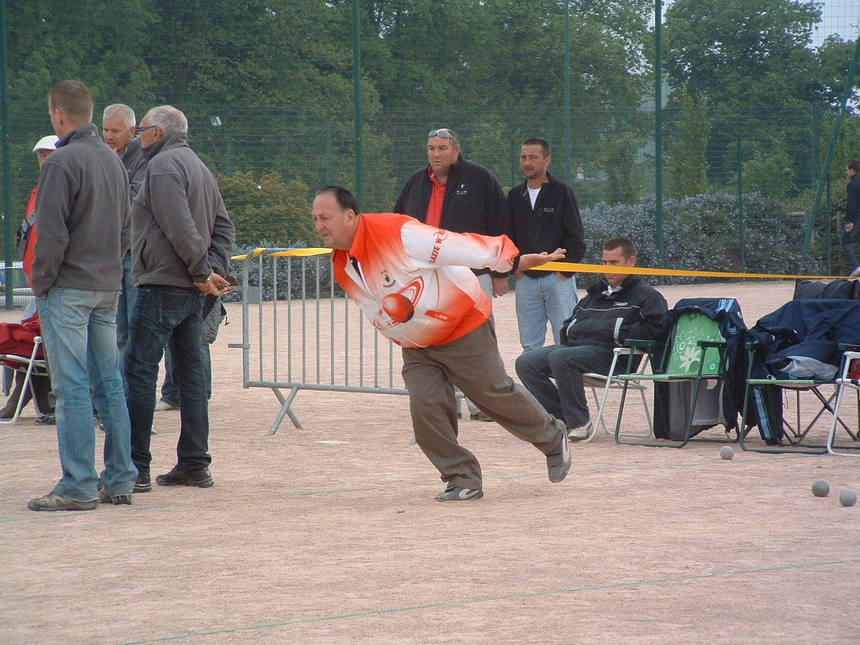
[(443, 133)]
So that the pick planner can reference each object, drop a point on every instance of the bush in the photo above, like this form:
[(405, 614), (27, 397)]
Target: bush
[(702, 233)]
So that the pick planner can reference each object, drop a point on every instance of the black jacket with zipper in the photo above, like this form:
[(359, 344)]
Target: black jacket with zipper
[(553, 223), (602, 320), (474, 201)]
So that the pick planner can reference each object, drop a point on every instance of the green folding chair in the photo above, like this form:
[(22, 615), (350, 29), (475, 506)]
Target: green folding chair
[(798, 428), (695, 353)]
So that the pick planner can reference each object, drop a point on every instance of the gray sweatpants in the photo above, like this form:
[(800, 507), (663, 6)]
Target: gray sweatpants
[(473, 364)]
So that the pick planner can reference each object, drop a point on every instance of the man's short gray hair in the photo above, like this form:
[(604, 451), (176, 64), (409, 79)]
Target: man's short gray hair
[(168, 118), (120, 111)]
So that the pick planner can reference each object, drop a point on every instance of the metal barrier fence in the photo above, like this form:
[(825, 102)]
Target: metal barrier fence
[(300, 332)]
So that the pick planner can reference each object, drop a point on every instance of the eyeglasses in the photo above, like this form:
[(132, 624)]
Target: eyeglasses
[(140, 129), (444, 133)]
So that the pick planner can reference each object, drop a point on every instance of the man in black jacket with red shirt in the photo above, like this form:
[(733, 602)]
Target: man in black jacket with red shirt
[(459, 196), (544, 216)]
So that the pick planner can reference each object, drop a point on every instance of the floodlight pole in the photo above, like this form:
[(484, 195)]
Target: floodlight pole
[(658, 132), (5, 128), (356, 88), (568, 127)]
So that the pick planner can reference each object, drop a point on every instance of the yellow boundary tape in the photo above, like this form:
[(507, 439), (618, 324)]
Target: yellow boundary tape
[(576, 267)]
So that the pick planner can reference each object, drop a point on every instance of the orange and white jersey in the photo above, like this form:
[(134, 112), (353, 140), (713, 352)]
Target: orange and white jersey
[(413, 281)]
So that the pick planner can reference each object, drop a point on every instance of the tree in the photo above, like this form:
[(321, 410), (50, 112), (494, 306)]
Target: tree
[(268, 210), (728, 50), (688, 161)]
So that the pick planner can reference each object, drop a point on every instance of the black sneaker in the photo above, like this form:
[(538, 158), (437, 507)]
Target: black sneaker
[(142, 484), (201, 478)]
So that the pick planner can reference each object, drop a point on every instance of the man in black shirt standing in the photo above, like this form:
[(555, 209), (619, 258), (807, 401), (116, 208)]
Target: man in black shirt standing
[(544, 216)]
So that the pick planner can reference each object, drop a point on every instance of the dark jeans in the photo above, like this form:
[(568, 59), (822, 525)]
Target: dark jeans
[(162, 313), (169, 391), (848, 242), (564, 399), (125, 308)]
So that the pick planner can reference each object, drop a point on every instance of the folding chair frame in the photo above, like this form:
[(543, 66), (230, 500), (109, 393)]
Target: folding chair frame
[(34, 365), (609, 382), (795, 435), (842, 382)]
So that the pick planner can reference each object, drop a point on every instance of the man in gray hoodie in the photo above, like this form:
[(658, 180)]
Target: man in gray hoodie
[(182, 239), (80, 211)]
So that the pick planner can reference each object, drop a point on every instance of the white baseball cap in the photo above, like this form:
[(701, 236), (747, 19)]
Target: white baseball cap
[(47, 143)]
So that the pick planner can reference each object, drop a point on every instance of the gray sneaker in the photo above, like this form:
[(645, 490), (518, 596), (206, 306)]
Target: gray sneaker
[(459, 494), (164, 405), (106, 498), (54, 502), (558, 463)]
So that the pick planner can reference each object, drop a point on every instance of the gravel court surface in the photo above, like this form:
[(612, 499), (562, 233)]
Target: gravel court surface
[(330, 534)]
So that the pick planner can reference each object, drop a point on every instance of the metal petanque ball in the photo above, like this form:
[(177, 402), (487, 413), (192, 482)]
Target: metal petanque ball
[(847, 498), (821, 488), (727, 452)]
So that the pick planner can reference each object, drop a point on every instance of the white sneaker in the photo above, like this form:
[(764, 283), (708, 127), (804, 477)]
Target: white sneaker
[(581, 432), (855, 273), (163, 406)]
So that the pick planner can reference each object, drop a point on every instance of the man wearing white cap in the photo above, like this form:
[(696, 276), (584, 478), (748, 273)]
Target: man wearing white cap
[(27, 237)]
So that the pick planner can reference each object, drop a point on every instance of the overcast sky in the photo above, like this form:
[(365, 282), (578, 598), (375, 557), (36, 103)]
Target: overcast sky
[(838, 16)]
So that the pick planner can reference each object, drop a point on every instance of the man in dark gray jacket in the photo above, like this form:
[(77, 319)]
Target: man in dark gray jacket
[(182, 239), (118, 126), (80, 213)]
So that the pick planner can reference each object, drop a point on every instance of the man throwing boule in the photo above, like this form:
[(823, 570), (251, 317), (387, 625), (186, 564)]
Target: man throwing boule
[(414, 282)]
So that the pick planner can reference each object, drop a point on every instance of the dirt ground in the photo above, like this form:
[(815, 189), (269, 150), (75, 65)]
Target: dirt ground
[(330, 534)]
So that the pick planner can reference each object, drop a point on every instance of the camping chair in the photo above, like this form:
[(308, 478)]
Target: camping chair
[(607, 382), (798, 428), (849, 377), (32, 365), (694, 353)]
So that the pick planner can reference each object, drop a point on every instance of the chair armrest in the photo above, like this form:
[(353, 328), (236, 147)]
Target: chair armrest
[(641, 344), (712, 343), (846, 347), (627, 350)]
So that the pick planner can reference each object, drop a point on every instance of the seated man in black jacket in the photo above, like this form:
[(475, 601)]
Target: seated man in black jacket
[(618, 307)]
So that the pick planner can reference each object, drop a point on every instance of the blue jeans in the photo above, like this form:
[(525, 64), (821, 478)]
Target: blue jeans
[(169, 391), (547, 297), (159, 314), (79, 328), (125, 308)]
